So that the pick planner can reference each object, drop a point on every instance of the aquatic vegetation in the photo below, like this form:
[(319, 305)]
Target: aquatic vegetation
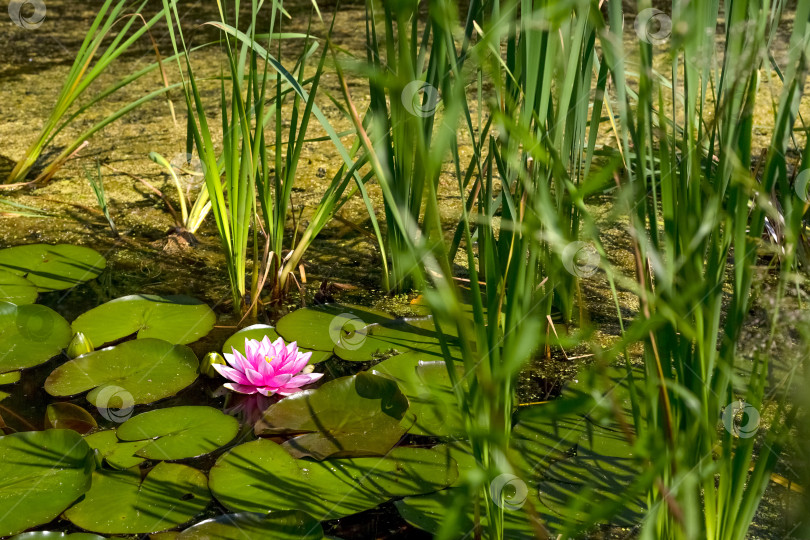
[(115, 503), (178, 319), (370, 420), (87, 67), (522, 169), (267, 368), (52, 268), (191, 219), (97, 184), (140, 371), (30, 335), (43, 473)]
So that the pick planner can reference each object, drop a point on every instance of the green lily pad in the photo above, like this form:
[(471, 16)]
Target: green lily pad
[(138, 372), (424, 380), (291, 525), (41, 474), (261, 476), (600, 474), (179, 432), (117, 454), (607, 389), (366, 420), (10, 378), (69, 416), (325, 326), (177, 319), (53, 268), (258, 332), (30, 335), (49, 535), (120, 503), (16, 289), (396, 336)]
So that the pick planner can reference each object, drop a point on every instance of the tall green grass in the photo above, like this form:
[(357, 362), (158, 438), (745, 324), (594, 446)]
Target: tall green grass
[(92, 59), (547, 77), (250, 182)]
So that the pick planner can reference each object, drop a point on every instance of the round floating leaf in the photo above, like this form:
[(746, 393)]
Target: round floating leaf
[(53, 268), (16, 289), (428, 511), (357, 415), (258, 332), (10, 377), (261, 476), (399, 335), (325, 326), (424, 380), (30, 335), (177, 319), (139, 372), (48, 535), (179, 432), (69, 416), (119, 455), (601, 473), (247, 525), (41, 474), (605, 387), (120, 503)]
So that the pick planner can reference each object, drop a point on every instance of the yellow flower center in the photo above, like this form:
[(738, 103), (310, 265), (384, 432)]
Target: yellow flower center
[(269, 359)]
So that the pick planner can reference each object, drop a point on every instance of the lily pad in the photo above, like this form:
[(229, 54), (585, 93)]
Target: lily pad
[(258, 332), (41, 474), (424, 380), (69, 416), (179, 432), (290, 525), (177, 319), (357, 415), (607, 390), (119, 455), (10, 377), (53, 268), (120, 503), (142, 371), (261, 476), (30, 335), (16, 289), (396, 336), (328, 325)]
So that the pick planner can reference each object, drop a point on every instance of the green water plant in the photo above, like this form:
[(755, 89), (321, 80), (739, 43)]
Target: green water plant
[(191, 215), (92, 60), (97, 184)]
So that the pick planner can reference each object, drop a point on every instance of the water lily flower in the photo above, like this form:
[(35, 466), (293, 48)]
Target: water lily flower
[(267, 368)]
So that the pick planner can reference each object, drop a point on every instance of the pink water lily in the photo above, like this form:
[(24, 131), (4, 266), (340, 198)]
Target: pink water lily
[(267, 368)]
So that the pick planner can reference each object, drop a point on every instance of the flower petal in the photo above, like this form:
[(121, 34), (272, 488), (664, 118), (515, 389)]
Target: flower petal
[(231, 374), (241, 388), (255, 377), (301, 380)]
